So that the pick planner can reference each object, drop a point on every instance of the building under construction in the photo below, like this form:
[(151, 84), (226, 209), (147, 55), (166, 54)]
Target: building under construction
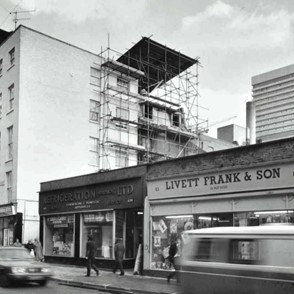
[(148, 109)]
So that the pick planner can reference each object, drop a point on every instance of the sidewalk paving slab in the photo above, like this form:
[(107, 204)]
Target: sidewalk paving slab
[(107, 281)]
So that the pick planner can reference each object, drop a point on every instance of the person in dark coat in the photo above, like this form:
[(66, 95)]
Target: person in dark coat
[(173, 257), (30, 247), (90, 254), (119, 250)]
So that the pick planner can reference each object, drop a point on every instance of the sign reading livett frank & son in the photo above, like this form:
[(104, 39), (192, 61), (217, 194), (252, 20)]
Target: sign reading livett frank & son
[(117, 195), (266, 178)]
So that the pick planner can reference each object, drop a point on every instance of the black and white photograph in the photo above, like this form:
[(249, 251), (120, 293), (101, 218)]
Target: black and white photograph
[(147, 146)]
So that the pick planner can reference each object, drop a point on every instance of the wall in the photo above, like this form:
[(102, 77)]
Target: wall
[(258, 154)]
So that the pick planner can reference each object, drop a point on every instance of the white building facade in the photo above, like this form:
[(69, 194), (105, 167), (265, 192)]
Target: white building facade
[(49, 125)]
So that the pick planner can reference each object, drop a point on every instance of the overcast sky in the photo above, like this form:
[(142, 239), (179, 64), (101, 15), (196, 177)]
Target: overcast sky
[(234, 39)]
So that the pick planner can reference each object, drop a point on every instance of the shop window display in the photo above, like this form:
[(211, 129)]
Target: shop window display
[(163, 230), (59, 235), (100, 226)]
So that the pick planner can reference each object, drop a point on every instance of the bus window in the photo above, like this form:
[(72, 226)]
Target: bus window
[(244, 251), (197, 249)]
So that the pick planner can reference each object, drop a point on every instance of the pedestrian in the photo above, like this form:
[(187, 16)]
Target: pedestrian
[(174, 257), (30, 247), (38, 250), (90, 254), (17, 243), (119, 250)]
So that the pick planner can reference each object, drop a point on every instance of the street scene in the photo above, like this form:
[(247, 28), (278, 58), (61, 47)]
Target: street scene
[(147, 146)]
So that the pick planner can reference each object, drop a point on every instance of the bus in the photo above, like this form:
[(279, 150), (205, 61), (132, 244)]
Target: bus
[(238, 260)]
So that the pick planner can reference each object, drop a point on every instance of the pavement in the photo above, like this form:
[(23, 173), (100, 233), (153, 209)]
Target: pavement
[(108, 281)]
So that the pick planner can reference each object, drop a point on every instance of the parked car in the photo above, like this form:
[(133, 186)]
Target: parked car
[(17, 265)]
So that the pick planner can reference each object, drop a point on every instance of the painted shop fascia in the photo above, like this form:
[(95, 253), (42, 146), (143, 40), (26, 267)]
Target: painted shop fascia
[(245, 186), (108, 209)]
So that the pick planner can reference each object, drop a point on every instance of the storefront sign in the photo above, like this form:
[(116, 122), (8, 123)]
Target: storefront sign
[(7, 210), (272, 177), (115, 195), (59, 221)]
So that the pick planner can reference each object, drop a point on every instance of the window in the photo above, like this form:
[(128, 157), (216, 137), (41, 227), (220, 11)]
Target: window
[(94, 151), (122, 84), (176, 119), (9, 185), (59, 235), (95, 76), (11, 97), (244, 251), (12, 56), (94, 110), (10, 142), (122, 114), (1, 66), (148, 111), (121, 158), (100, 226)]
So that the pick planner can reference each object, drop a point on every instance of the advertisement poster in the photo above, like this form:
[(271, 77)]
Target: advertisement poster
[(157, 241)]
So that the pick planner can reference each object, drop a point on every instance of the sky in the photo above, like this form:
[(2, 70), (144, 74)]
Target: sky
[(234, 39)]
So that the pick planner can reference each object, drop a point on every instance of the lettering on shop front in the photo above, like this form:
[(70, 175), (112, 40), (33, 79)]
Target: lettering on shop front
[(219, 181)]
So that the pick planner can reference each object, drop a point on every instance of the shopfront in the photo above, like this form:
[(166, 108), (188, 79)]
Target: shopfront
[(105, 210), (10, 225), (181, 198)]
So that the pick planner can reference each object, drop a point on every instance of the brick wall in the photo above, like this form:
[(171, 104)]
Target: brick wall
[(241, 157)]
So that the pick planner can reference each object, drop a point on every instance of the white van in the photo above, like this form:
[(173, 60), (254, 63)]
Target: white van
[(239, 260)]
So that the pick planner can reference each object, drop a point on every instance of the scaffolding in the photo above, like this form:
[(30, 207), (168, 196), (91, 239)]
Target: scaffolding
[(148, 105)]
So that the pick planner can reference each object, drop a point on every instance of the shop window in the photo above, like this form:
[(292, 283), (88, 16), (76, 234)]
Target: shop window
[(164, 229), (59, 235), (99, 225)]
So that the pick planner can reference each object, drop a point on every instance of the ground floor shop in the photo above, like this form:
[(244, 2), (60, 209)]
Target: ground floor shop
[(10, 225), (106, 211), (263, 195)]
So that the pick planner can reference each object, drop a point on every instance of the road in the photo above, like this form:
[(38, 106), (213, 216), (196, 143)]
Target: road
[(51, 288)]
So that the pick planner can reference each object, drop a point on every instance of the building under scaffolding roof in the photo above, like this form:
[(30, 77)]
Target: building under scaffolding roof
[(149, 95), (159, 63)]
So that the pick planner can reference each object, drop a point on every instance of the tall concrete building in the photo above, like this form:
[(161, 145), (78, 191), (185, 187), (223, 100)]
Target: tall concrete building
[(273, 96)]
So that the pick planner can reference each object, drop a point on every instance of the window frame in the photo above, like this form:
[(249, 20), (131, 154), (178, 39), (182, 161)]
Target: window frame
[(121, 158), (94, 151), (10, 142), (11, 90), (123, 84), (94, 111), (12, 56)]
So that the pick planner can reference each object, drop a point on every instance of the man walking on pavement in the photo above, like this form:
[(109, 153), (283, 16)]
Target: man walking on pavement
[(119, 251), (90, 254)]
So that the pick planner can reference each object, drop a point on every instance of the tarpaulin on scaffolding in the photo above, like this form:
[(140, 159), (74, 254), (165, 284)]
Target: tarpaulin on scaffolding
[(158, 62)]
